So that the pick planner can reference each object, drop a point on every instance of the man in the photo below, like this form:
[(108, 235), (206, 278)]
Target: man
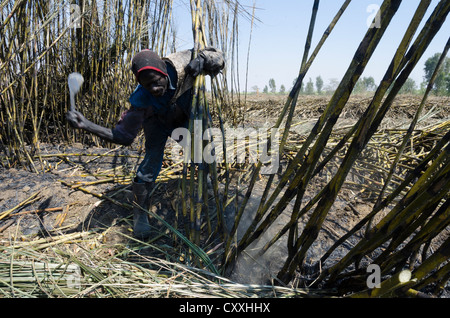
[(161, 102)]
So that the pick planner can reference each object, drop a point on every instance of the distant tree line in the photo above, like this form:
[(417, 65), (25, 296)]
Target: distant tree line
[(367, 84)]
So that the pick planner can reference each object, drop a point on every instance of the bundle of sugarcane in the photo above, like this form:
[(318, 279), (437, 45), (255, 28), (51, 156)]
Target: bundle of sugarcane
[(34, 278), (26, 272)]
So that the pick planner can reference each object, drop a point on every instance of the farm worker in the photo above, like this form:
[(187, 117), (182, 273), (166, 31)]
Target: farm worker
[(160, 103)]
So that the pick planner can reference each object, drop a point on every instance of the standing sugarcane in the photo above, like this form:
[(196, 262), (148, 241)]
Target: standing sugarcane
[(161, 103)]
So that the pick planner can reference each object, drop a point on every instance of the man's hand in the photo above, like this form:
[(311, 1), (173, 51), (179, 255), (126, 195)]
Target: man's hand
[(77, 120), (209, 61)]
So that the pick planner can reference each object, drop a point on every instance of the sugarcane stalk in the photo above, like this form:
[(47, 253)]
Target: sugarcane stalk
[(95, 274), (196, 114), (441, 255), (363, 133), (435, 190), (412, 125), (408, 227), (411, 176), (411, 29), (39, 211), (335, 105), (412, 293), (42, 278), (27, 201), (54, 240), (428, 231), (98, 195), (226, 165), (291, 111), (424, 38), (296, 160), (193, 247), (440, 277)]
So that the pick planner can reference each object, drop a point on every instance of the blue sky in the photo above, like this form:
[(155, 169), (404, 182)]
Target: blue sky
[(278, 39)]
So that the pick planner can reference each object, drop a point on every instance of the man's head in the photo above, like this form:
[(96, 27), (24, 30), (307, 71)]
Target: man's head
[(151, 72)]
